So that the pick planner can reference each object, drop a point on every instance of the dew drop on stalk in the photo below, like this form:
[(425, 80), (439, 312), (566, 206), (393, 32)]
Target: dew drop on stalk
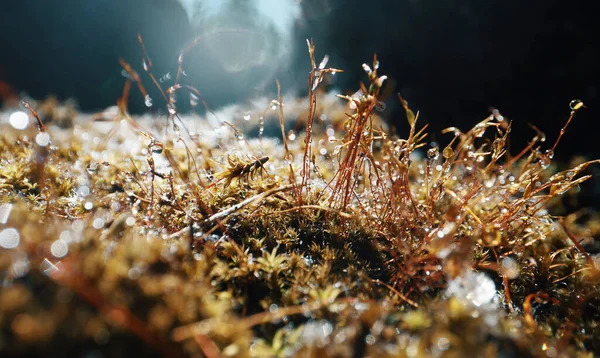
[(291, 135), (489, 182), (193, 99), (148, 100), (448, 152), (575, 105), (126, 75), (92, 168), (433, 153), (42, 139), (156, 149), (24, 104), (261, 126), (510, 268)]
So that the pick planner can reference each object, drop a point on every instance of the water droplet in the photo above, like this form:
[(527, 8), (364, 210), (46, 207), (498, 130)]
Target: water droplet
[(247, 116), (98, 223), (5, 210), (115, 206), (66, 236), (145, 65), (148, 100), (261, 126), (42, 139), (126, 75), (19, 120), (433, 153), (77, 226), (171, 109), (88, 205), (83, 191), (134, 273), (448, 152), (370, 339), (380, 106), (479, 130), (59, 248), (443, 343), (544, 162), (549, 154), (489, 182), (24, 104), (575, 104), (156, 149), (510, 268), (291, 135), (474, 287), (9, 238), (92, 168)]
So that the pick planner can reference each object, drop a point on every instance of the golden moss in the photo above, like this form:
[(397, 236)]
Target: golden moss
[(343, 240)]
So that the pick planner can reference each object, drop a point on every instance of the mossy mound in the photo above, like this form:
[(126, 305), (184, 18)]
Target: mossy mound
[(342, 240)]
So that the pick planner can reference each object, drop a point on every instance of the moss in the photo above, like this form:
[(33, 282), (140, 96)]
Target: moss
[(340, 240)]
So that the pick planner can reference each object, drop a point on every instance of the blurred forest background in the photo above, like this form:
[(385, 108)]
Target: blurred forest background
[(451, 59)]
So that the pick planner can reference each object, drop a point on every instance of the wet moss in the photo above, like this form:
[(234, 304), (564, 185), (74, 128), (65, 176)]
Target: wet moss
[(339, 239)]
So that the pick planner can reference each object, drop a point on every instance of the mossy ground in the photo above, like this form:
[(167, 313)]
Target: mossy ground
[(124, 235)]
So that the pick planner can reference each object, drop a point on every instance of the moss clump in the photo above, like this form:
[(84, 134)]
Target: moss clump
[(340, 240)]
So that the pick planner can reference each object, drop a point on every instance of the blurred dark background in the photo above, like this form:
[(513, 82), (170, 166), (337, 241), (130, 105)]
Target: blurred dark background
[(451, 59)]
